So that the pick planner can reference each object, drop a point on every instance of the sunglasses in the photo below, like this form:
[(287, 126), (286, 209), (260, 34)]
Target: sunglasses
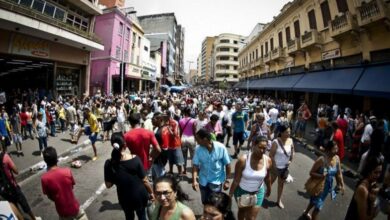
[(163, 193)]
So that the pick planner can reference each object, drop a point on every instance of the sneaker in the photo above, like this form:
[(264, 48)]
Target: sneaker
[(94, 158), (38, 218)]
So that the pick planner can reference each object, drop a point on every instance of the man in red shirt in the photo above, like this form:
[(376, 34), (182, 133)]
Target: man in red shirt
[(57, 184), (338, 137), (139, 140)]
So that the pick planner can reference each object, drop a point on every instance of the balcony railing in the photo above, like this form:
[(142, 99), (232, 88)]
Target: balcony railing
[(342, 24), (293, 46), (15, 7), (277, 53), (267, 58), (310, 38), (259, 62), (371, 12)]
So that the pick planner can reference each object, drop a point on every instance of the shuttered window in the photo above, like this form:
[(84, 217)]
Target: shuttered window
[(297, 29), (325, 13), (288, 34), (312, 19), (280, 36)]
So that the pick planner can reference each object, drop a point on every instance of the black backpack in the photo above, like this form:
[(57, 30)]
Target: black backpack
[(7, 189)]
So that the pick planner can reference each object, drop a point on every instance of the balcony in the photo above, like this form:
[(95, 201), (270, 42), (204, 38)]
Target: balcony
[(259, 62), (267, 58), (310, 38), (342, 24), (371, 12), (277, 54), (293, 46), (56, 21)]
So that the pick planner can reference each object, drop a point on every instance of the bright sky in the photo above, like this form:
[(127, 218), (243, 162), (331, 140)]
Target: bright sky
[(202, 18)]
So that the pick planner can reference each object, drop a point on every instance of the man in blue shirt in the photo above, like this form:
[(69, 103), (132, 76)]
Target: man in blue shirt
[(239, 123), (212, 162)]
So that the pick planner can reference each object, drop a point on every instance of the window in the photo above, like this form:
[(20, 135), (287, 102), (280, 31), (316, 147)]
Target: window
[(235, 42), (127, 33), (60, 14), (38, 5), (266, 47), (262, 50), (257, 54), (325, 13), (271, 42), (70, 19), (235, 50), (84, 25), (139, 41), (120, 31), (297, 29), (280, 36), (224, 41), (224, 49), (288, 34), (312, 19), (146, 48), (118, 52), (49, 9), (26, 2), (126, 56), (224, 58), (342, 5)]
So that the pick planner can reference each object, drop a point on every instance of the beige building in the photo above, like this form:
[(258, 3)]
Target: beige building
[(225, 57), (199, 68), (207, 47), (311, 35)]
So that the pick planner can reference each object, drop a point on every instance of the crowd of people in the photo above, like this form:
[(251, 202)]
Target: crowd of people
[(154, 130)]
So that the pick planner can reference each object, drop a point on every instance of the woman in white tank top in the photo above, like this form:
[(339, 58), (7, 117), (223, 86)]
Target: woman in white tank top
[(281, 153), (252, 177)]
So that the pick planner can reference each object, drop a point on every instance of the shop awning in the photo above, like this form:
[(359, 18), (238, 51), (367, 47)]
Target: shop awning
[(339, 81), (375, 81), (280, 83)]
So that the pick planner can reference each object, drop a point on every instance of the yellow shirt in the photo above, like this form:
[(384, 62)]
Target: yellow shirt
[(61, 113), (93, 123)]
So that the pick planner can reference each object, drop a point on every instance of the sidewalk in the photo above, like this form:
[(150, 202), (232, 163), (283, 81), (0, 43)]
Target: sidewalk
[(32, 154), (308, 141)]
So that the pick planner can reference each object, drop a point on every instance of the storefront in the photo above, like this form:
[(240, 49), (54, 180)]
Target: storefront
[(33, 63)]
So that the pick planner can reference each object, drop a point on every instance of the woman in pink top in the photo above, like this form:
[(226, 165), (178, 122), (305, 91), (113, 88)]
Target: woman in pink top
[(187, 127), (215, 127)]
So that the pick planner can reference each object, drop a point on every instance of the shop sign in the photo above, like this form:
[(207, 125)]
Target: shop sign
[(29, 46), (330, 54), (290, 64)]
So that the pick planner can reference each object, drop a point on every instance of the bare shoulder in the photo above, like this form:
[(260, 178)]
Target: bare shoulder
[(187, 214)]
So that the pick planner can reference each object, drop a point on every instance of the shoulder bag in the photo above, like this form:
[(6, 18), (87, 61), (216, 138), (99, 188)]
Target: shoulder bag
[(314, 186)]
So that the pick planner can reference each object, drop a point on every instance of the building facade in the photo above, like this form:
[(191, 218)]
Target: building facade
[(113, 27), (161, 30), (179, 64), (206, 57), (225, 58), (317, 44), (46, 45)]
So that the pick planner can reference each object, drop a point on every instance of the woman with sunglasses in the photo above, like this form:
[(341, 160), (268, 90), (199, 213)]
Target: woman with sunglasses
[(170, 196), (252, 177)]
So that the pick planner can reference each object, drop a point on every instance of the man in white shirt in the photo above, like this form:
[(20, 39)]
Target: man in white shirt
[(366, 137)]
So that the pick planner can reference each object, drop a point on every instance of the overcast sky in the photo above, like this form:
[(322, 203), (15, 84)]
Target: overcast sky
[(202, 18)]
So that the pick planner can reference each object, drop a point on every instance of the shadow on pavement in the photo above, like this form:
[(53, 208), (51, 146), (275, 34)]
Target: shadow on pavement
[(66, 140), (268, 204), (36, 153), (107, 205), (303, 194)]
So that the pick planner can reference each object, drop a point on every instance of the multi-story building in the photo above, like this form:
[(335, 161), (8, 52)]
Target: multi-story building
[(113, 27), (46, 44), (320, 48), (199, 68), (205, 64), (193, 75), (179, 64), (161, 30), (135, 68), (225, 58)]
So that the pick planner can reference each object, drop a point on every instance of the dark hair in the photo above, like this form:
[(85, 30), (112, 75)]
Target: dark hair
[(260, 139), (222, 202), (186, 111), (334, 125), (370, 165), (204, 133), (135, 118), (116, 155), (50, 156), (180, 195), (329, 145), (214, 117), (377, 141), (282, 128)]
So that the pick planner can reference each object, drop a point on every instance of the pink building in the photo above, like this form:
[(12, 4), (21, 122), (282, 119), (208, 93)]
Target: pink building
[(113, 27)]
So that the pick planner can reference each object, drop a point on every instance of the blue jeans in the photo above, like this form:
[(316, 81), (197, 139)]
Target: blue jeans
[(158, 170), (53, 128), (205, 191), (42, 143)]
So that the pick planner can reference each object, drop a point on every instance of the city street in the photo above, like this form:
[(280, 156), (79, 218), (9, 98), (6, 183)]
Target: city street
[(102, 203)]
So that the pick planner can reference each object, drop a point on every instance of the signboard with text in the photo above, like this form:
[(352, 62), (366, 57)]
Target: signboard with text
[(330, 54), (29, 46)]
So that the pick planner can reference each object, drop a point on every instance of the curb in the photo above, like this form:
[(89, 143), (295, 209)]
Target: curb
[(317, 151), (27, 172)]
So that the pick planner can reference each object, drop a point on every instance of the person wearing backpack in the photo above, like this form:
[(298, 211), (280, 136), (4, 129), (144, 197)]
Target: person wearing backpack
[(10, 190)]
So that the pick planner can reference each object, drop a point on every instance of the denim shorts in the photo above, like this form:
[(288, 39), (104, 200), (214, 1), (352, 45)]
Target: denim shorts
[(93, 138), (175, 156)]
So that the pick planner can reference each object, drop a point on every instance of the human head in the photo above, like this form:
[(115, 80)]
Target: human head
[(217, 207), (260, 118), (259, 145), (167, 191), (331, 148), (284, 131), (187, 111), (157, 119), (135, 119), (334, 125), (214, 119), (40, 116), (50, 156), (203, 137), (238, 107), (372, 168), (118, 145)]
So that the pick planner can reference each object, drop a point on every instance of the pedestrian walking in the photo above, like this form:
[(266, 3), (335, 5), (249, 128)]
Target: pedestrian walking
[(93, 129), (126, 171), (211, 163), (252, 178), (170, 198), (42, 131), (16, 131), (187, 133), (58, 183), (239, 123), (325, 167), (282, 154)]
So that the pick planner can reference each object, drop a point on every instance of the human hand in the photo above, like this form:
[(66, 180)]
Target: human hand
[(268, 193), (151, 197), (195, 185), (226, 185)]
